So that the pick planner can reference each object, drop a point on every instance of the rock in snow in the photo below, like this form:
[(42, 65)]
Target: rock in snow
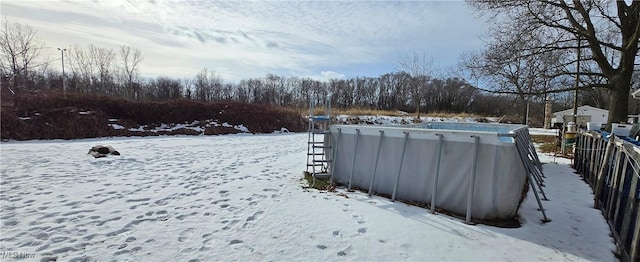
[(102, 151)]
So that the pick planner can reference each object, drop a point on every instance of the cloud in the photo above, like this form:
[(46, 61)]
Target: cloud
[(199, 37), (271, 44), (331, 75), (251, 39)]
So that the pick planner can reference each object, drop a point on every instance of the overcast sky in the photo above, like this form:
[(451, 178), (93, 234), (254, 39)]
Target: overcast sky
[(240, 39)]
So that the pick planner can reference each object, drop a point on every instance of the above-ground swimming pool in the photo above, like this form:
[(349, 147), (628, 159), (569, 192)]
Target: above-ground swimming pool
[(470, 169)]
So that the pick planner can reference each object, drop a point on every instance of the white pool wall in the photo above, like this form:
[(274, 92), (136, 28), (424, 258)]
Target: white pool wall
[(500, 174)]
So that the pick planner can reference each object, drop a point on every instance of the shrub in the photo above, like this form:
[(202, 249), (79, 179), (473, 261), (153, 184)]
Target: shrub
[(51, 115)]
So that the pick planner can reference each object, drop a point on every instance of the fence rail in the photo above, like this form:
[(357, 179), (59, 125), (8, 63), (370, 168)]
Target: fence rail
[(611, 166)]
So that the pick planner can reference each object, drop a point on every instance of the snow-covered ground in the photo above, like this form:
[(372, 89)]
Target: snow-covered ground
[(240, 198), (195, 126)]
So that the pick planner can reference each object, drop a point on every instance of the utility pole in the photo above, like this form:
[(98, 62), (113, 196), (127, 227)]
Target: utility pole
[(64, 91), (547, 111), (575, 95)]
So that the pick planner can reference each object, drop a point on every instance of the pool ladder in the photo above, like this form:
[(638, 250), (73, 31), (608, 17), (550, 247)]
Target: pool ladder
[(317, 144)]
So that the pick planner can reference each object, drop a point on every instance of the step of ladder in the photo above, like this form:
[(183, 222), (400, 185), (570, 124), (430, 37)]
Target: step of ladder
[(316, 142), (321, 160), (320, 118), (321, 146), (316, 164), (322, 175)]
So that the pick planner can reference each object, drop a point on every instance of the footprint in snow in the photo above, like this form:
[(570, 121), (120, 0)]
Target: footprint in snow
[(255, 216), (235, 241), (186, 234), (220, 200)]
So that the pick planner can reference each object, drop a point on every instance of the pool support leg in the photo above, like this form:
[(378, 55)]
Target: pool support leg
[(404, 148), (334, 154), (355, 154), (437, 174), (472, 179), (375, 167)]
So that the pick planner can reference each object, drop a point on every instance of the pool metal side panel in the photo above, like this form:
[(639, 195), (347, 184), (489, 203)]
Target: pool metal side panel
[(499, 182)]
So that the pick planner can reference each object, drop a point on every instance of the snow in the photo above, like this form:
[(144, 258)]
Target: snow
[(116, 126), (240, 198), (242, 128), (195, 126), (138, 129), (404, 119), (284, 130)]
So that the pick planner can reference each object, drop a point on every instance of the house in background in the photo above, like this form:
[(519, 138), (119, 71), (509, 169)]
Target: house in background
[(591, 114)]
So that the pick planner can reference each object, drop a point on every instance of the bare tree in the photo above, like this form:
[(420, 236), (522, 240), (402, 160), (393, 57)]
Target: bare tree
[(610, 29), (255, 89), (511, 72), (187, 92), (208, 86), (82, 68), (95, 68), (103, 58), (131, 59), (19, 48), (202, 85), (419, 66), (165, 88), (274, 86)]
